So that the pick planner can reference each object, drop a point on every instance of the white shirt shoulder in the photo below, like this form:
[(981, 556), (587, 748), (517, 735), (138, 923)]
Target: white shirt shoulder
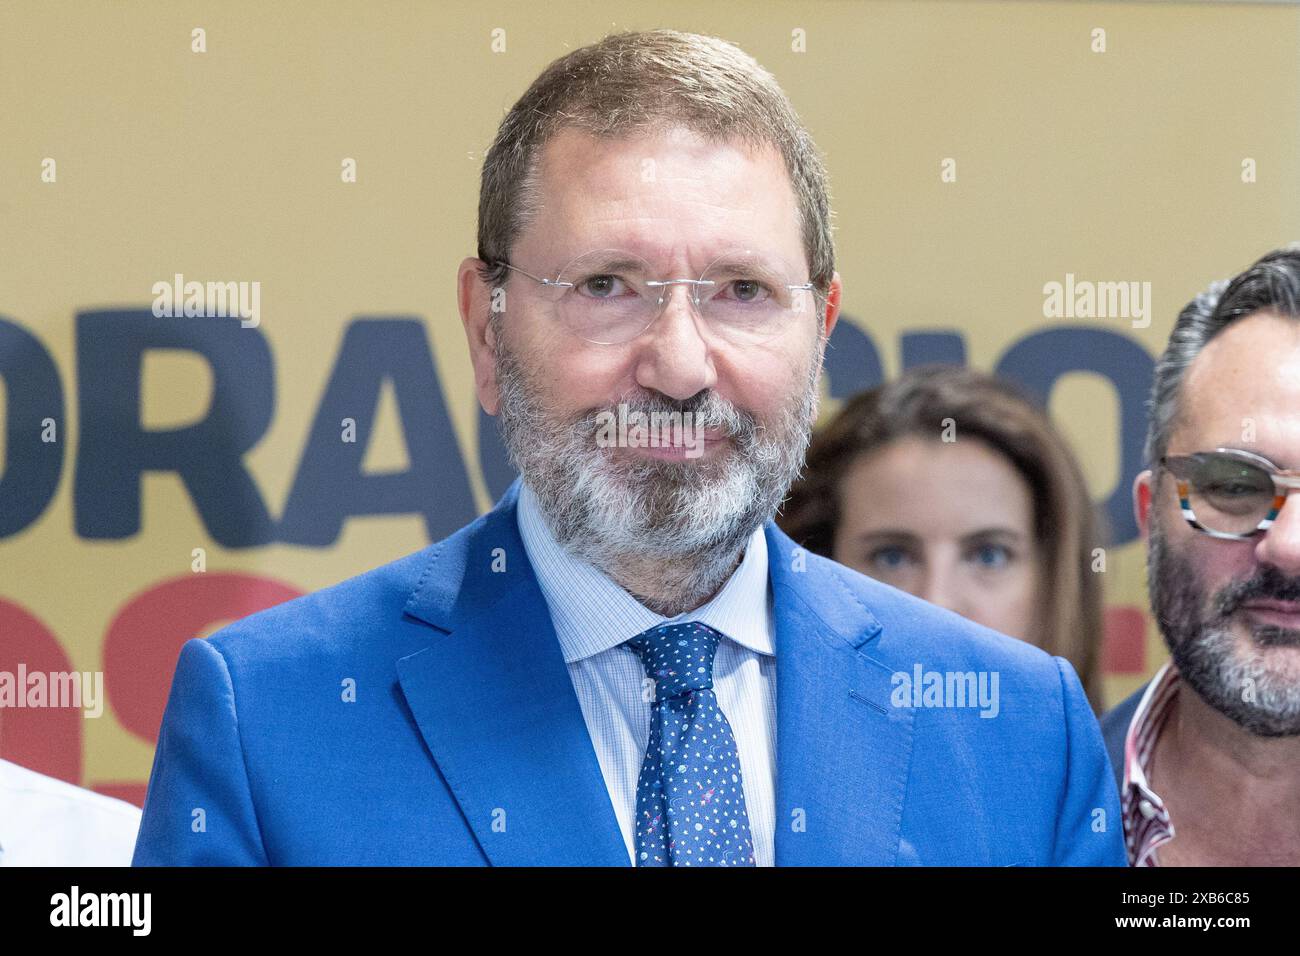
[(48, 822)]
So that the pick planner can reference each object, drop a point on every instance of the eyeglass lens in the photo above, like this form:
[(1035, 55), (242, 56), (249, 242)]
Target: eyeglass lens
[(613, 296), (1229, 495)]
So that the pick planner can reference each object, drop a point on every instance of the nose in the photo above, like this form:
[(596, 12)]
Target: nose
[(674, 356), (1280, 544), (941, 587)]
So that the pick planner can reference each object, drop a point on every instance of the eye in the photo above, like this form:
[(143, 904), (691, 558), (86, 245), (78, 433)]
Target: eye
[(990, 556), (1234, 488), (605, 286), (888, 558), (748, 290)]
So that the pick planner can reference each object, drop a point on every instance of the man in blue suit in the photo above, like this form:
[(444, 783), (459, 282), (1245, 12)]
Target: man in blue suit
[(625, 662)]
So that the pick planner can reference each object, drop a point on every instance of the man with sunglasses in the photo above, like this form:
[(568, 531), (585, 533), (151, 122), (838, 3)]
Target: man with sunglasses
[(1207, 755)]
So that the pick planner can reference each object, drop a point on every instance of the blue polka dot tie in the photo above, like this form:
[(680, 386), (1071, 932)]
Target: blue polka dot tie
[(690, 801)]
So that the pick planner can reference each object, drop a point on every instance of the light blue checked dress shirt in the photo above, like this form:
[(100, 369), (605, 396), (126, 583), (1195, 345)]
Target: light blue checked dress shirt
[(593, 616)]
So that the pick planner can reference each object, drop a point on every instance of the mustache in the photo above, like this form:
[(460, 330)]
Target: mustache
[(707, 409), (1268, 583)]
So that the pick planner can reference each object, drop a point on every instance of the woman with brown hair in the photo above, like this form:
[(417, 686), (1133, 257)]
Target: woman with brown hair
[(951, 485)]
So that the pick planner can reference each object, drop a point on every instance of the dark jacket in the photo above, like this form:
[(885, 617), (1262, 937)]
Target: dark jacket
[(1114, 728)]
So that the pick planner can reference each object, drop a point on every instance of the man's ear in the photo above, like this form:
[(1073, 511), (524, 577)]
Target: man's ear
[(1143, 492), (474, 298), (833, 304)]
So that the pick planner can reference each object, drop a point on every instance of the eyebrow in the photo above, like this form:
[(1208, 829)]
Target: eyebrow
[(751, 264), (884, 535), (623, 263), (605, 265), (755, 261), (1253, 453)]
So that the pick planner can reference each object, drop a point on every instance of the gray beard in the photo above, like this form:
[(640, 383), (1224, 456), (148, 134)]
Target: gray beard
[(681, 524), (1203, 643)]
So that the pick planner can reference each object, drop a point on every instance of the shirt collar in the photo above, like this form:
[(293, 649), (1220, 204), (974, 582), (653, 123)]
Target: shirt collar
[(592, 613), (1146, 819)]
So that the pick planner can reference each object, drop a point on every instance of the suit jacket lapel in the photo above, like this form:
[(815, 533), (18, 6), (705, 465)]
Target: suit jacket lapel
[(842, 751), (492, 698)]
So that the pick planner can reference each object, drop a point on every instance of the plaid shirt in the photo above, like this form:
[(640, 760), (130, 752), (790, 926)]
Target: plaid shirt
[(1146, 820)]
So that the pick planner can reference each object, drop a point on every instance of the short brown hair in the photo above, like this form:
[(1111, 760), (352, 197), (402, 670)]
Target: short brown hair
[(1066, 525), (642, 82)]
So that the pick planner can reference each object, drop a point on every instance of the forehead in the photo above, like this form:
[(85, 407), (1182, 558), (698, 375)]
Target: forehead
[(670, 196), (1243, 391), (933, 487)]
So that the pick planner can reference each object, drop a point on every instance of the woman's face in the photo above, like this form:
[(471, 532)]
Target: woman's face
[(951, 522)]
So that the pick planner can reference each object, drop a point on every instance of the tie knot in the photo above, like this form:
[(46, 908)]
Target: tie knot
[(678, 657)]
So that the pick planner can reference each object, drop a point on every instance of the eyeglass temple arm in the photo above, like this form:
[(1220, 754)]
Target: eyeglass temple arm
[(549, 282)]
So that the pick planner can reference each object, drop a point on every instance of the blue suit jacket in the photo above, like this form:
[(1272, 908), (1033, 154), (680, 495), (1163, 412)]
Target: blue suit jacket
[(465, 743)]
